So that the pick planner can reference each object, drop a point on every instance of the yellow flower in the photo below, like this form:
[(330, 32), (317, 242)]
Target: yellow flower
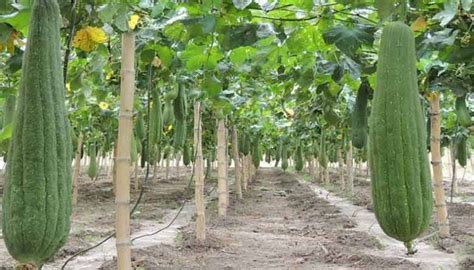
[(132, 23), (104, 105), (96, 34), (89, 38), (109, 75)]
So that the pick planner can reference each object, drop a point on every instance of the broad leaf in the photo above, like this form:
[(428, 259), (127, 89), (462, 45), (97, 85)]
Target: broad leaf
[(348, 40)]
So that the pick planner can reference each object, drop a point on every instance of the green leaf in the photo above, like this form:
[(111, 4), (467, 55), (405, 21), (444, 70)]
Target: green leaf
[(106, 13), (211, 85), (175, 31), (239, 55), (6, 132), (385, 7), (449, 12), (241, 4), (242, 35), (466, 5), (5, 32), (348, 40), (459, 55), (19, 20), (166, 55), (303, 4), (208, 24)]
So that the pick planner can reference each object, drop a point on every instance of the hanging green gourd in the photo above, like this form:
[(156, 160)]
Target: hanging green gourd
[(461, 150), (246, 144), (144, 154), (256, 153), (323, 159), (134, 150), (359, 116), (156, 118), (462, 112), (171, 94), (37, 192), (277, 155), (186, 155), (400, 173), (298, 158), (268, 156), (92, 169), (140, 126), (168, 114), (284, 156), (180, 112)]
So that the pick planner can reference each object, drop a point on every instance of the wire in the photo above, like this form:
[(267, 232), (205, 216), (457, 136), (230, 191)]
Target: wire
[(185, 201)]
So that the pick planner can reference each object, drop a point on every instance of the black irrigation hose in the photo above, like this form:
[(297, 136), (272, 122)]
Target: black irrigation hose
[(183, 203)]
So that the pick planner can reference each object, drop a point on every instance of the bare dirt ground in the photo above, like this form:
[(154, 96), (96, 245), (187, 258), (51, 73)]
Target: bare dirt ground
[(461, 218), (280, 224)]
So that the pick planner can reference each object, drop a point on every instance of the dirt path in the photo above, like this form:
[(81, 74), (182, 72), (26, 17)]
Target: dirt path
[(281, 224), (427, 257), (461, 218)]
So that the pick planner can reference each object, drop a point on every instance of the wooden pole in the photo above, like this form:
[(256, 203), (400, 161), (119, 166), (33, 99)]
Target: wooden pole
[(342, 181), (178, 159), (199, 176), (237, 166), (77, 170), (167, 166), (454, 180), (221, 167), (122, 199), (311, 168), (245, 175), (350, 170), (440, 202)]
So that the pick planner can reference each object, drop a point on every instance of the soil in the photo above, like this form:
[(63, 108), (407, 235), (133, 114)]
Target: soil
[(461, 218), (280, 224)]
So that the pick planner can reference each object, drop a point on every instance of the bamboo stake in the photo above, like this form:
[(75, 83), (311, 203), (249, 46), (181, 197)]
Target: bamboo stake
[(77, 170), (167, 167), (350, 170), (440, 202), (237, 166), (454, 180), (122, 200), (199, 176), (221, 167), (342, 181), (178, 159), (245, 174), (326, 175), (311, 168)]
